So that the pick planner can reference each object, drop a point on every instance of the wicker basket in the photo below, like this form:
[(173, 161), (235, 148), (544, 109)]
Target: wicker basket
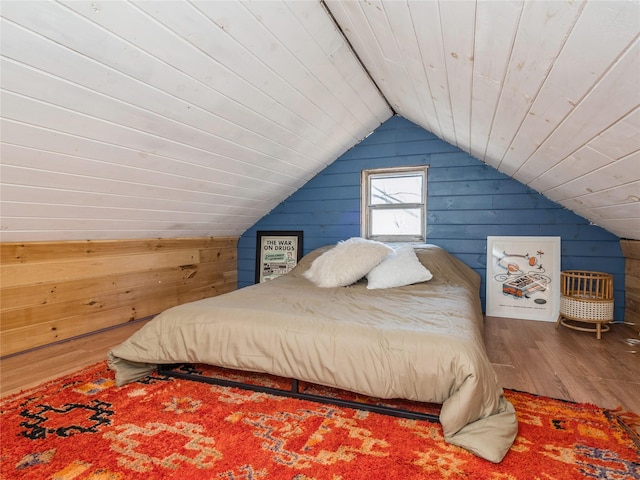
[(586, 297)]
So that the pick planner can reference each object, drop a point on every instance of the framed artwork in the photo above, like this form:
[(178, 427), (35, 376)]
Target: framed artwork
[(523, 277), (277, 252)]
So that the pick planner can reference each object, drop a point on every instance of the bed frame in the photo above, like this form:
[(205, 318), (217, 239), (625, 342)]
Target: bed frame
[(294, 392)]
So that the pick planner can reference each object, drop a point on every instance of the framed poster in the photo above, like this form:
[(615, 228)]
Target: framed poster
[(277, 252), (523, 277)]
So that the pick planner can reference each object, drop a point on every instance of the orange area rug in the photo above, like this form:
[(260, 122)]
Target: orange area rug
[(84, 427)]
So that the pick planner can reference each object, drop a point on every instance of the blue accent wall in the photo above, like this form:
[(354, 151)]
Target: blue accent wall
[(467, 201)]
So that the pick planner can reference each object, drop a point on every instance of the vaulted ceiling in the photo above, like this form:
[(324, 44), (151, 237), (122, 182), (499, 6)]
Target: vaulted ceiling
[(163, 119)]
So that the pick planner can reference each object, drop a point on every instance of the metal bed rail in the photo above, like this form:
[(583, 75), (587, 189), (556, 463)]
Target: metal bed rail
[(294, 392)]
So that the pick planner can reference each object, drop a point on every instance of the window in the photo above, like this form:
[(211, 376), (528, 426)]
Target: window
[(394, 204)]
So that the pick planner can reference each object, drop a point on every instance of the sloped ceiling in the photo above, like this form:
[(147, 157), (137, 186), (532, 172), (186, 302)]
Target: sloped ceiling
[(172, 119)]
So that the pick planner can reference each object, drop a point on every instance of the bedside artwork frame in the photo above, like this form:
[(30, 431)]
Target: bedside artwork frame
[(277, 252), (523, 278)]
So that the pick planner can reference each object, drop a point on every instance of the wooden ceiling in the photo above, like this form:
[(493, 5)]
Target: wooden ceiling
[(168, 119)]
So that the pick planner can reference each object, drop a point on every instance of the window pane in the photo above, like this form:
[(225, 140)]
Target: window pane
[(405, 221), (401, 189)]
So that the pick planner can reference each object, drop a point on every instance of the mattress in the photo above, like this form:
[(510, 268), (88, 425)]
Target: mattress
[(419, 342)]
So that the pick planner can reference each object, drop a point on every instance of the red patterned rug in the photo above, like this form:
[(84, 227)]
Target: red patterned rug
[(84, 427)]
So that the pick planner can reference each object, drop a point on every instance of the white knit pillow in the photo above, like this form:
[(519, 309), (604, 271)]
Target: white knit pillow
[(400, 268), (347, 262)]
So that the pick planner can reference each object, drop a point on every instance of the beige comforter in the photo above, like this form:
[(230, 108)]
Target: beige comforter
[(421, 342)]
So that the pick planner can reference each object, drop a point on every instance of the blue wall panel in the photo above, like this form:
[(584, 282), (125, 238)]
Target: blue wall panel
[(467, 201)]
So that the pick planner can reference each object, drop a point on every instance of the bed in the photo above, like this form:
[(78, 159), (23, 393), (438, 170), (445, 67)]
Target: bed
[(420, 342)]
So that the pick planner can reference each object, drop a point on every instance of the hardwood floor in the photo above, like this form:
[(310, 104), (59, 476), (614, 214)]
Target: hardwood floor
[(563, 363), (29, 369), (527, 355)]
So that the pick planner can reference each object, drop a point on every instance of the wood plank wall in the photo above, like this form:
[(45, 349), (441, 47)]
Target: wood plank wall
[(631, 251), (467, 201), (52, 291)]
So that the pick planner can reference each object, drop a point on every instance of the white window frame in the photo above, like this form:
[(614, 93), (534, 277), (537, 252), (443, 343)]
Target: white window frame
[(366, 207)]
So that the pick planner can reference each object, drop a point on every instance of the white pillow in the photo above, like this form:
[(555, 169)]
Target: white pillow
[(347, 262), (400, 268)]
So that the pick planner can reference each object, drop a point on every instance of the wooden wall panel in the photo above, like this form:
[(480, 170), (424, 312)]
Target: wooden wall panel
[(52, 291), (466, 201), (631, 251)]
